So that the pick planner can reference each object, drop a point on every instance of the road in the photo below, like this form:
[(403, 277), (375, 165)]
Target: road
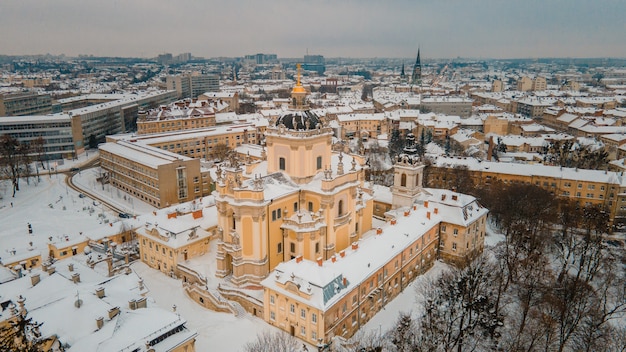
[(69, 182)]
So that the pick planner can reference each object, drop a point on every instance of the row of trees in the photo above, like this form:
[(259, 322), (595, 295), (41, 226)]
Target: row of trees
[(16, 158), (567, 153), (553, 284)]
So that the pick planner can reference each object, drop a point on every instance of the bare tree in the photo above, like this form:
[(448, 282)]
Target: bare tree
[(459, 311), (278, 341), (11, 160)]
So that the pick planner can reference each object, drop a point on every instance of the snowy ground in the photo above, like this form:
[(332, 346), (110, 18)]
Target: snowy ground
[(54, 210)]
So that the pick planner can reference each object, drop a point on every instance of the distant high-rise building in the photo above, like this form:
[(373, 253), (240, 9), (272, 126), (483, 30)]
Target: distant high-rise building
[(165, 59), (261, 59), (416, 76), (314, 63), (192, 85)]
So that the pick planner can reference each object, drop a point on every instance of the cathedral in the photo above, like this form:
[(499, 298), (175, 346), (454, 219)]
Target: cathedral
[(303, 201)]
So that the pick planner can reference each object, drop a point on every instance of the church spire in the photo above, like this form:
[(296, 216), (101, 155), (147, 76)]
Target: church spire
[(298, 94), (416, 76)]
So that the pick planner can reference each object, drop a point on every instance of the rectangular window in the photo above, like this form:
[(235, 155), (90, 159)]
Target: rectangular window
[(302, 313), (181, 178), (292, 309), (303, 331), (272, 299), (455, 232), (292, 247), (454, 246), (280, 247), (314, 318), (314, 335), (272, 316), (443, 228)]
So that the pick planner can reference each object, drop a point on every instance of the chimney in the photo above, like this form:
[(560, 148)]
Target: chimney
[(320, 261), (425, 204), (298, 259), (142, 303), (436, 210), (113, 312), (342, 253), (132, 304), (100, 292), (428, 215), (454, 197), (355, 246), (443, 197), (414, 207), (379, 231), (345, 282), (51, 270), (100, 322), (393, 221), (76, 278), (70, 267), (407, 213), (44, 266), (34, 279), (333, 258)]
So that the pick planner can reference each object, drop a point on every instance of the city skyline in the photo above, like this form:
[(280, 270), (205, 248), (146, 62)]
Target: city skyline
[(443, 29)]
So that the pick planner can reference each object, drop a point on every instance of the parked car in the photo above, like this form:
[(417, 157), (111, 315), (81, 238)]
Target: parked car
[(80, 195), (125, 215), (74, 169)]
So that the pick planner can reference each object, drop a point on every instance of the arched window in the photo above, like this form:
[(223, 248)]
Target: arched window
[(319, 162), (340, 208), (281, 163), (403, 180)]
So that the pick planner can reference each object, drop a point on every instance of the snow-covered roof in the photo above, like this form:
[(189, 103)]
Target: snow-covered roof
[(321, 286), (530, 169)]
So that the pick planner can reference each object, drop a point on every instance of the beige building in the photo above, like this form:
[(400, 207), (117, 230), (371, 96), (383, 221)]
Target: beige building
[(229, 98), (311, 203), (155, 176), (317, 299), (172, 118), (170, 237)]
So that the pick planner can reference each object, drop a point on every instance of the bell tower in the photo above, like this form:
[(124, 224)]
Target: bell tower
[(408, 176)]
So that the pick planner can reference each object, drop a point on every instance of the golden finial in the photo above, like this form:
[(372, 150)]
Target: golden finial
[(298, 80)]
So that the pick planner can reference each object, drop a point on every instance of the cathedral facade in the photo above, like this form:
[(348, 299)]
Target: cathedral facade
[(303, 201)]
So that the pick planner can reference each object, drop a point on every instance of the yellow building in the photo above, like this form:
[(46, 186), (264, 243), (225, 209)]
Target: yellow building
[(172, 236), (587, 187), (317, 300), (173, 118), (309, 201), (362, 125)]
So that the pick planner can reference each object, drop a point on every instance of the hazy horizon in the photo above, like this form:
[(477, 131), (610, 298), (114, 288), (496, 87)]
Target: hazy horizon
[(443, 29)]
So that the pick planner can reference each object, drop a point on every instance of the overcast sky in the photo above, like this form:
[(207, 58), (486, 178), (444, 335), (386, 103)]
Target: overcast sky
[(333, 28)]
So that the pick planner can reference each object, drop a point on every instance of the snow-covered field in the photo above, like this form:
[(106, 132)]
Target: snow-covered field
[(53, 209)]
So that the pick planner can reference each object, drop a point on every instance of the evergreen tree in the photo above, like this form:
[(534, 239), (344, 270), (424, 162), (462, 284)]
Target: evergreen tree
[(395, 143)]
